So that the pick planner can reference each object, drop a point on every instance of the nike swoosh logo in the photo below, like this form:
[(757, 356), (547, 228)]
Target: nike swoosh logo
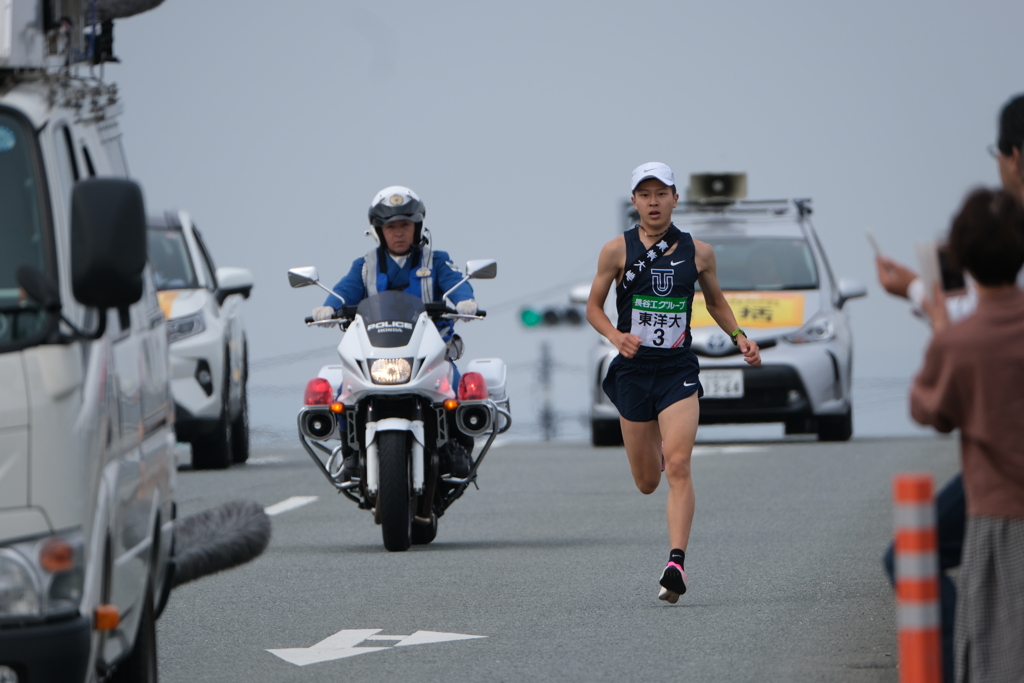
[(688, 384), (676, 263)]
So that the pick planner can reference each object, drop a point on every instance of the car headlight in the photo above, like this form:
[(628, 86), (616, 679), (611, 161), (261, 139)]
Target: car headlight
[(185, 327), (42, 577), (390, 371), (820, 328)]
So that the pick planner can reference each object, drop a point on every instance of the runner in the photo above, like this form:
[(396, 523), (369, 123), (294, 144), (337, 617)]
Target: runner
[(653, 381)]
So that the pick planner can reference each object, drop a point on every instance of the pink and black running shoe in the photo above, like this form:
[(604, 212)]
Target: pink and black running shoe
[(673, 583)]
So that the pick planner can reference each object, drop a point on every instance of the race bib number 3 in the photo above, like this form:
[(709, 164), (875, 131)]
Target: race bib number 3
[(660, 322)]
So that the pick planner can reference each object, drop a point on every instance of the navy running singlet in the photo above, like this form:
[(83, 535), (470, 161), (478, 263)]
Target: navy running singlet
[(658, 305)]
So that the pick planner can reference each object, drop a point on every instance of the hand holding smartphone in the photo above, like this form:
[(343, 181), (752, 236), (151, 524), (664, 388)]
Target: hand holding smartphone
[(937, 268)]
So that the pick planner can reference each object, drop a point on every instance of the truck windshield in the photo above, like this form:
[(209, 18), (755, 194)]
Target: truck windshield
[(755, 264), (172, 265), (22, 241)]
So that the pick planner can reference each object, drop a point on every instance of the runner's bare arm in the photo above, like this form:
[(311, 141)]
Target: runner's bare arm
[(609, 270), (717, 305)]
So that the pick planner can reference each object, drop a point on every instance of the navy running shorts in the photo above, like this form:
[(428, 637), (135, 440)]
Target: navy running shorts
[(641, 389)]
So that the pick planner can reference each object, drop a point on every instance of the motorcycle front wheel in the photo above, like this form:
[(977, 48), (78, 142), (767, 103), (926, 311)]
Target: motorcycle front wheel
[(394, 494)]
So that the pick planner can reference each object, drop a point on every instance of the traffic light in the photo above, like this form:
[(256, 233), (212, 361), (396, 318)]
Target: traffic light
[(551, 315)]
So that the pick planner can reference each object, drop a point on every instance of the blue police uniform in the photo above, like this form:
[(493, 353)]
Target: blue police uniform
[(655, 305), (367, 277)]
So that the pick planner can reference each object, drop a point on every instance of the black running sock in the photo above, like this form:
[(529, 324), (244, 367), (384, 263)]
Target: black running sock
[(677, 556)]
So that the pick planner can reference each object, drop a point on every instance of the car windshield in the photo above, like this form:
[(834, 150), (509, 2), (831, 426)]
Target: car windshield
[(756, 264), (172, 265), (21, 229)]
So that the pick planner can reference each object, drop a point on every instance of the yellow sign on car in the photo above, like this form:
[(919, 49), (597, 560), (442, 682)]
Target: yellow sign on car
[(755, 309)]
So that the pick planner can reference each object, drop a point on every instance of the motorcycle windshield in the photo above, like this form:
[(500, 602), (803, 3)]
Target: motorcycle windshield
[(390, 318)]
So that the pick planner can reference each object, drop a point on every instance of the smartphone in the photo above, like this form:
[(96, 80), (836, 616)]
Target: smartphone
[(870, 234), (952, 277), (937, 268)]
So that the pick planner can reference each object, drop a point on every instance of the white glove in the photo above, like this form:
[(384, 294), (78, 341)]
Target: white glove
[(467, 307), (321, 313)]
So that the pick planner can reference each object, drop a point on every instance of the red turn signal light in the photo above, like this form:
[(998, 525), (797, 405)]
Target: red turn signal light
[(472, 387), (450, 404), (106, 617), (337, 407), (318, 392)]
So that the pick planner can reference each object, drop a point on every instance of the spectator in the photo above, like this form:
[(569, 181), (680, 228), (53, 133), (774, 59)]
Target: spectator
[(972, 380), (901, 281)]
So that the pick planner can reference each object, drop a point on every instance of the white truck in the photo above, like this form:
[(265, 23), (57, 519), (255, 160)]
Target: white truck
[(87, 469)]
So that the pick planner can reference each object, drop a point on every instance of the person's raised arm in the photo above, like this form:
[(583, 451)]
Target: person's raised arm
[(717, 305), (609, 267)]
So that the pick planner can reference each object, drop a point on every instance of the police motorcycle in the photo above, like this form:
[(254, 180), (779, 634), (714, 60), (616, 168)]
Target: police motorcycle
[(391, 402)]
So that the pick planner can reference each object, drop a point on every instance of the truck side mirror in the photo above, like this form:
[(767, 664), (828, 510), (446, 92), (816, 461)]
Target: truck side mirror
[(108, 242)]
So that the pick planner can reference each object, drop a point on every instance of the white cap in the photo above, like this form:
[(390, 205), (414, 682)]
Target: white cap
[(653, 169)]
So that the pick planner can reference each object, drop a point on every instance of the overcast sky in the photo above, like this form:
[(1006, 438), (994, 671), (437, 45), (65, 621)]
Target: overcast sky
[(519, 123)]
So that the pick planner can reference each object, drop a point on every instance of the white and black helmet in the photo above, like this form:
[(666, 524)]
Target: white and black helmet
[(396, 203)]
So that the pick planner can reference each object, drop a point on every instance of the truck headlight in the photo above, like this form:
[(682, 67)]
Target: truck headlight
[(185, 327), (390, 371), (42, 577), (818, 329)]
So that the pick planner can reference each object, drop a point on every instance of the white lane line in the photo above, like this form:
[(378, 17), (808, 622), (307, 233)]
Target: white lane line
[(266, 460), (699, 451), (289, 504)]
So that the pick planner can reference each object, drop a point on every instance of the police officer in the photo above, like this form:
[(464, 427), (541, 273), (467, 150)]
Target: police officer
[(404, 260), (654, 380)]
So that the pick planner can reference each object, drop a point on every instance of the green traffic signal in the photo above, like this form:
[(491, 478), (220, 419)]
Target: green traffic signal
[(530, 317), (551, 316)]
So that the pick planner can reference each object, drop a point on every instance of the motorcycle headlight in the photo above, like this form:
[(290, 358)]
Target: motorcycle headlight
[(42, 577), (390, 370), (820, 328), (185, 327)]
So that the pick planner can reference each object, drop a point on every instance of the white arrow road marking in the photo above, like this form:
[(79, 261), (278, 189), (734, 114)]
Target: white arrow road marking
[(289, 504), (425, 637), (343, 644)]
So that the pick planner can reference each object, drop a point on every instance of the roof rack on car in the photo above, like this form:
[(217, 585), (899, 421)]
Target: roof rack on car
[(776, 207)]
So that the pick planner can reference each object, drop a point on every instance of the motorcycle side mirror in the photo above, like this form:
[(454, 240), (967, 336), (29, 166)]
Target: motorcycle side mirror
[(303, 277), (482, 269)]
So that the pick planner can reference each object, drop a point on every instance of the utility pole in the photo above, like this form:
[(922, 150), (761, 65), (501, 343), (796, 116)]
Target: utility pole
[(547, 414)]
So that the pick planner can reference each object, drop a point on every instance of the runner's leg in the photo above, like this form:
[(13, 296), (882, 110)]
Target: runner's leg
[(643, 448), (678, 425)]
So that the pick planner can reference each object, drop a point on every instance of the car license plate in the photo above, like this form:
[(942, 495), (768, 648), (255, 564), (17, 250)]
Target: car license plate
[(722, 383)]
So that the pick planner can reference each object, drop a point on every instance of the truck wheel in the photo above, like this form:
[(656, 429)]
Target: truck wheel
[(140, 665), (394, 494), (605, 433), (835, 427), (423, 534), (240, 425)]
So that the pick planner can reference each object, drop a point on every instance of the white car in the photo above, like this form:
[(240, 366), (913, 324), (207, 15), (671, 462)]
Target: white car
[(209, 360), (774, 272)]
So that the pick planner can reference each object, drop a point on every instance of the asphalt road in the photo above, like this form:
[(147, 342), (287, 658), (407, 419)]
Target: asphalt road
[(555, 561)]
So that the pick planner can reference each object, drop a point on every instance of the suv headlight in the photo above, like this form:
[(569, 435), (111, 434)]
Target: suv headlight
[(390, 370), (42, 577), (185, 327), (818, 329)]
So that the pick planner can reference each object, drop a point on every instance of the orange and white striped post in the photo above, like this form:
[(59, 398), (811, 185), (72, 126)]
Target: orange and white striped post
[(917, 580)]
